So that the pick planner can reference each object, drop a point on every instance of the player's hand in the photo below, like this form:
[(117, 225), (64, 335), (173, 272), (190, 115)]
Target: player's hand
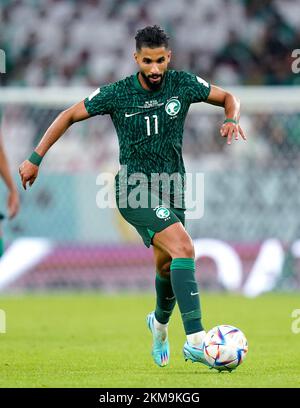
[(28, 173), (232, 130), (13, 203)]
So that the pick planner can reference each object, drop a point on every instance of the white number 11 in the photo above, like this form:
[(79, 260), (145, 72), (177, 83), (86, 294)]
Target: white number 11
[(147, 118)]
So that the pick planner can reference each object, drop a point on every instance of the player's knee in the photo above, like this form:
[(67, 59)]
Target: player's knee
[(184, 249)]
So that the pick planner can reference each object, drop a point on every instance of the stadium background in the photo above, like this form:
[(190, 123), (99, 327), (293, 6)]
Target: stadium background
[(61, 239)]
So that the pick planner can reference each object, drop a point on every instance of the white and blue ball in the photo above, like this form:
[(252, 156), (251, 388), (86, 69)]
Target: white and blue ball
[(225, 347)]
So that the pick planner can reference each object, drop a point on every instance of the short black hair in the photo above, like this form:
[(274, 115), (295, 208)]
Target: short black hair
[(151, 37)]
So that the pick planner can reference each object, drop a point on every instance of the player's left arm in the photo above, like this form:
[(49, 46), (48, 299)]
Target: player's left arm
[(231, 105)]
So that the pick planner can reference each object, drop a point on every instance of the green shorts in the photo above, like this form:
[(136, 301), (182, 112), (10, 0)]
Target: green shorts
[(147, 221), (1, 216)]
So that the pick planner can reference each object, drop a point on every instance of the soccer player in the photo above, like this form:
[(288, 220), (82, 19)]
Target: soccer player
[(13, 202), (148, 110)]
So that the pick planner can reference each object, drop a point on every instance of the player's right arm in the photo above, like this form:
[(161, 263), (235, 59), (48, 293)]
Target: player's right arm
[(29, 171), (99, 102)]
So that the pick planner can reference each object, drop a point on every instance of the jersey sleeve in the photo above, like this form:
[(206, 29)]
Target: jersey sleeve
[(197, 89), (101, 101)]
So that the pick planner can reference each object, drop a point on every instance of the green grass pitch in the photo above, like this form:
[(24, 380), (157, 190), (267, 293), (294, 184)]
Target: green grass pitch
[(96, 340)]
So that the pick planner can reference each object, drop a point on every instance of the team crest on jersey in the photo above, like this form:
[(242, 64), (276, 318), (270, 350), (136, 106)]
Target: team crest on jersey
[(162, 212), (173, 106)]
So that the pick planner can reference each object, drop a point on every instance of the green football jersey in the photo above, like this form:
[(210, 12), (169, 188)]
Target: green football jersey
[(149, 124)]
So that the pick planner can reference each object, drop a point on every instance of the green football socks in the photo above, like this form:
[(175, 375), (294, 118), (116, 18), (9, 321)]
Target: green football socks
[(165, 299), (187, 294)]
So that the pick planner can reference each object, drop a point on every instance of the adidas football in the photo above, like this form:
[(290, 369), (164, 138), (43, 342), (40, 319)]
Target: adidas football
[(225, 347)]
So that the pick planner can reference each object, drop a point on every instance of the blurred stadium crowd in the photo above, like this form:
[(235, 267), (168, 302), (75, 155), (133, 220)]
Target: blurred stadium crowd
[(90, 42)]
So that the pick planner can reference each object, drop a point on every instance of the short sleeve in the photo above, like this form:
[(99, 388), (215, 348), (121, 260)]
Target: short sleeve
[(197, 88), (101, 101)]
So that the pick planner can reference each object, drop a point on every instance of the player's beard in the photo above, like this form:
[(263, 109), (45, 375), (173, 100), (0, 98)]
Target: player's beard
[(151, 85)]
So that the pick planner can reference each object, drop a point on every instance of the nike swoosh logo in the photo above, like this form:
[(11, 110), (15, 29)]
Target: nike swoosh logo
[(171, 298), (127, 115), (194, 293)]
